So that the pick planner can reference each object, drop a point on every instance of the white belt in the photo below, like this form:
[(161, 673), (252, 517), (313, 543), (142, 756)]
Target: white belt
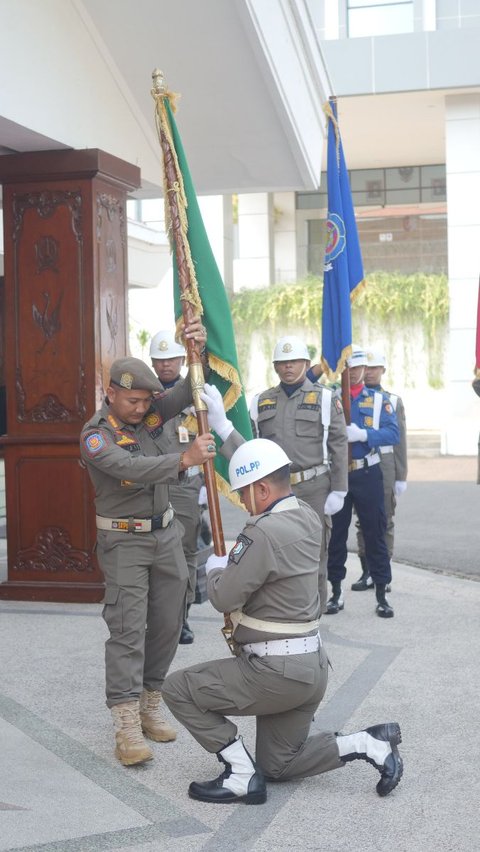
[(385, 450), (309, 473), (284, 647), (136, 525), (369, 460), (193, 471)]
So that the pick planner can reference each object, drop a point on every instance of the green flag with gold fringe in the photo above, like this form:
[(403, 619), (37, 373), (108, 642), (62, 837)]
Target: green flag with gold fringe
[(209, 296)]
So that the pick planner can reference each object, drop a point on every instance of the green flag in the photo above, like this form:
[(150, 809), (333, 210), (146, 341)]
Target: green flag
[(209, 295)]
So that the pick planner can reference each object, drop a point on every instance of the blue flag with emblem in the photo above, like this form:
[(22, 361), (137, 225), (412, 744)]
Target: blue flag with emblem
[(343, 269)]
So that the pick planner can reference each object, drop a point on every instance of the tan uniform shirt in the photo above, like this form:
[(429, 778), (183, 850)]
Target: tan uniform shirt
[(295, 423), (272, 571), (128, 470)]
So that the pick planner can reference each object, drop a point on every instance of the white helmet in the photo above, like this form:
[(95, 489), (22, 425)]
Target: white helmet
[(358, 358), (253, 460), (375, 358), (165, 346), (290, 348)]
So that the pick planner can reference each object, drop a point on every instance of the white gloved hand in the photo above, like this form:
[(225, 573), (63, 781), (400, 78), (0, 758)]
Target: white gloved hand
[(217, 418), (400, 488), (334, 502), (202, 496), (215, 561), (354, 433)]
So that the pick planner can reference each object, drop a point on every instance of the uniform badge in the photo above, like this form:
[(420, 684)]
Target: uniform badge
[(287, 347), (126, 381), (163, 345), (338, 406), (152, 420), (94, 443), (112, 421), (239, 548), (368, 421), (123, 440), (310, 398), (388, 408), (267, 404)]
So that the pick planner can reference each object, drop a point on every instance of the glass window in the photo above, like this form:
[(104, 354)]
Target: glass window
[(379, 17), (402, 177), (434, 183)]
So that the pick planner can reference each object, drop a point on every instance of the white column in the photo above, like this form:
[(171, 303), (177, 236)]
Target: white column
[(285, 237), (463, 193), (254, 266)]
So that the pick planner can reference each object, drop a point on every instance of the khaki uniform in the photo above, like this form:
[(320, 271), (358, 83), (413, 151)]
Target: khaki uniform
[(176, 438), (145, 573), (295, 423), (271, 575), (394, 467)]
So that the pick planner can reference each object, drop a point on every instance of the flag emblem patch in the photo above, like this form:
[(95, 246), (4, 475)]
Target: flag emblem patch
[(94, 443)]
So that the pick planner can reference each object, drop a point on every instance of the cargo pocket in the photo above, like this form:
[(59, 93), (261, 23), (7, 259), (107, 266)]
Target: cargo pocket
[(295, 671), (307, 423), (113, 610)]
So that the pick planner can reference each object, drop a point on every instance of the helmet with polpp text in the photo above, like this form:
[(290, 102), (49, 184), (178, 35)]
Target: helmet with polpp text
[(253, 460)]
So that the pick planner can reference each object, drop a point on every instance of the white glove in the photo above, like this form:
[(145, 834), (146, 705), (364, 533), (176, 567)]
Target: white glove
[(216, 412), (202, 496), (215, 561), (334, 502), (354, 433), (400, 488)]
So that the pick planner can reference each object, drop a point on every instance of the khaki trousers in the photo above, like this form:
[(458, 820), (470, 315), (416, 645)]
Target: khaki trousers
[(146, 582), (282, 692), (184, 499)]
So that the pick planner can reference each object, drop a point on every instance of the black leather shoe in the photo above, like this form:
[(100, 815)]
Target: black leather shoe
[(392, 769), (365, 582), (214, 792), (334, 605), (187, 634), (384, 610)]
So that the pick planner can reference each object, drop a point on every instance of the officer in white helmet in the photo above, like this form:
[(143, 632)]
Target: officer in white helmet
[(373, 424), (269, 585), (393, 463), (168, 358), (306, 419)]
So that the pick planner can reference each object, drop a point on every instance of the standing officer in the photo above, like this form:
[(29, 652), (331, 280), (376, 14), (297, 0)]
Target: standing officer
[(269, 585), (307, 421), (393, 462), (168, 357), (365, 488), (139, 545)]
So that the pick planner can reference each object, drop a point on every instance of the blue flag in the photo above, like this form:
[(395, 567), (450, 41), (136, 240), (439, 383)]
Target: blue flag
[(343, 269)]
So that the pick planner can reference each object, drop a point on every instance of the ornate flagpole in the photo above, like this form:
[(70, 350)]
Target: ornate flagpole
[(191, 305)]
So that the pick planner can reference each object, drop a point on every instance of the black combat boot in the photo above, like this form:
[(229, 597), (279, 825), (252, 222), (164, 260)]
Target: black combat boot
[(378, 746), (384, 610), (365, 581), (241, 781), (336, 602), (187, 634)]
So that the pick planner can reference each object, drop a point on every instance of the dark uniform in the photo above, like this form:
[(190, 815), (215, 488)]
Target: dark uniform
[(365, 493), (394, 465)]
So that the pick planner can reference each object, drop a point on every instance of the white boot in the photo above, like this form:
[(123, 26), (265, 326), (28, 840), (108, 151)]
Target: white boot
[(131, 747), (240, 781), (378, 746), (154, 726)]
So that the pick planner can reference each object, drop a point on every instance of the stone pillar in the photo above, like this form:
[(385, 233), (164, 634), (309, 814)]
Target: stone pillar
[(65, 322), (463, 192)]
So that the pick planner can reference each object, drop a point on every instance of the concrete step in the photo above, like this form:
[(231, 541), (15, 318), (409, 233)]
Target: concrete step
[(424, 443)]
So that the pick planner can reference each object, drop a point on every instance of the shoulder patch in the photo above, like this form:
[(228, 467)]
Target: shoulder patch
[(94, 443), (388, 408), (239, 549)]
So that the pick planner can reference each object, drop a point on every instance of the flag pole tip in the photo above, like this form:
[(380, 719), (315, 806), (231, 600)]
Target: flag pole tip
[(159, 86)]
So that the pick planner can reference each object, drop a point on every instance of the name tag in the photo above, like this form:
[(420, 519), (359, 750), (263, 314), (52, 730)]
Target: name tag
[(183, 435)]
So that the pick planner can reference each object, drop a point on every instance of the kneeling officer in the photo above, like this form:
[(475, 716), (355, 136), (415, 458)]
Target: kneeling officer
[(269, 585)]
